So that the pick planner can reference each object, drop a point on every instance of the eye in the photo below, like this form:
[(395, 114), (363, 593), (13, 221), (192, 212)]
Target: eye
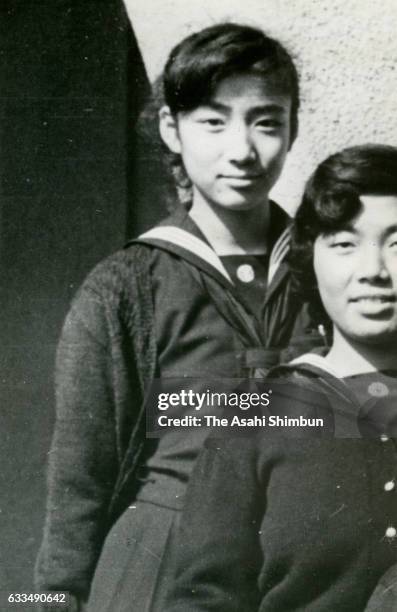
[(269, 124), (343, 245), (393, 241), (212, 123), (342, 242)]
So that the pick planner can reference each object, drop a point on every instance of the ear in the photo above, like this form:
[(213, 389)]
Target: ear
[(169, 130)]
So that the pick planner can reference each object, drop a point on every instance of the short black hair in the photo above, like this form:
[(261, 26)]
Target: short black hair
[(331, 199), (196, 66)]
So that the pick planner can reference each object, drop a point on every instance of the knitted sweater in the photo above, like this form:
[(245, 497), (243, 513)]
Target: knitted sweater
[(289, 521), (106, 361)]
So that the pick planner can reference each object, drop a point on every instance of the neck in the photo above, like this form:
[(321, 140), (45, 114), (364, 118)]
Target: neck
[(232, 232), (348, 357)]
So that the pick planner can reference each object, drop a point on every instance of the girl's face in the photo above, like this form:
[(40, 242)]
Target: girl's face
[(234, 148), (356, 271)]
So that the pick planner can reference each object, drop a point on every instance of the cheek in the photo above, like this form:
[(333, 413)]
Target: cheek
[(199, 155), (274, 151), (331, 278), (393, 270), (195, 164), (319, 265), (197, 148)]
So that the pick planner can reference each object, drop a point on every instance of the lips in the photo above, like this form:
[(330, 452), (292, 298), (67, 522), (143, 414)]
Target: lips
[(380, 298), (247, 176), (375, 305), (241, 180)]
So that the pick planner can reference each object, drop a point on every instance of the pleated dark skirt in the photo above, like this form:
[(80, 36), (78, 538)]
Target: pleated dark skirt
[(127, 578)]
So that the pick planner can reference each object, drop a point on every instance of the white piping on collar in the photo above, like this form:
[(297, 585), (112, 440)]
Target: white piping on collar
[(317, 361), (187, 241), (278, 253)]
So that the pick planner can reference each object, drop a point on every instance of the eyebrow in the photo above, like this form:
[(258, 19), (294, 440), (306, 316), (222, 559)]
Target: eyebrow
[(342, 228), (391, 230), (273, 109), (350, 228)]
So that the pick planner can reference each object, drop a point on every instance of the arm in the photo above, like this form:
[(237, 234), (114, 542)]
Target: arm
[(216, 551), (83, 459)]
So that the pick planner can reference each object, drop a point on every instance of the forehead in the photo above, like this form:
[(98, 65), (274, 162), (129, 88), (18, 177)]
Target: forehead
[(250, 90), (378, 212)]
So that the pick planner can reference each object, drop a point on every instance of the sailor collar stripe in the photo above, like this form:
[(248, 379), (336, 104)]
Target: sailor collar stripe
[(198, 247)]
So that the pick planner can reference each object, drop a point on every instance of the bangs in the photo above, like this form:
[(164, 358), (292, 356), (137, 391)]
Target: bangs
[(197, 65), (335, 209)]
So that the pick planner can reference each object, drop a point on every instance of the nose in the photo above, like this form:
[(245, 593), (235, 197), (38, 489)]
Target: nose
[(373, 265), (240, 145)]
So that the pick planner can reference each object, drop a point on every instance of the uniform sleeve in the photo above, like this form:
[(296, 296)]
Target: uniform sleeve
[(83, 457), (216, 548)]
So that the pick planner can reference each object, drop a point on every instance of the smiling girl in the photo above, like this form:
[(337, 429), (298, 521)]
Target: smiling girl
[(292, 519)]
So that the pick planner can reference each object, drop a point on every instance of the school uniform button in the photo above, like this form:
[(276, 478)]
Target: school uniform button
[(389, 486), (378, 389), (391, 532), (245, 273)]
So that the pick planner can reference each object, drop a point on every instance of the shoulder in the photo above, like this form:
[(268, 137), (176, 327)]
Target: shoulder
[(289, 374), (307, 369), (117, 289), (302, 388), (120, 278), (125, 264)]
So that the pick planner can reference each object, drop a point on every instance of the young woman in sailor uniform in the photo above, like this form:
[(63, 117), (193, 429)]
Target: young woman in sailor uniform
[(306, 518), (204, 295)]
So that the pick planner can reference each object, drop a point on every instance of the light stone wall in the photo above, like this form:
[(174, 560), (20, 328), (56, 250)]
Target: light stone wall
[(346, 52)]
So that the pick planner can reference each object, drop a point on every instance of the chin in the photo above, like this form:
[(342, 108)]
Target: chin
[(240, 205), (385, 337)]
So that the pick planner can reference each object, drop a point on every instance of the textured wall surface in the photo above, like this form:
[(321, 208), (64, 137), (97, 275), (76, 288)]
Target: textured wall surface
[(346, 52)]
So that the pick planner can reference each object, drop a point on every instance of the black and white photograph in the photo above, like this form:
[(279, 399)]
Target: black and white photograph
[(198, 263)]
